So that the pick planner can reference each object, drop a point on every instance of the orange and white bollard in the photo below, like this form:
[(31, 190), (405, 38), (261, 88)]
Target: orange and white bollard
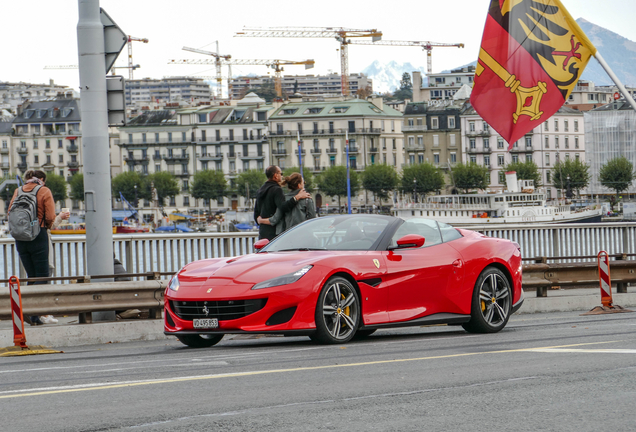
[(19, 338), (605, 282)]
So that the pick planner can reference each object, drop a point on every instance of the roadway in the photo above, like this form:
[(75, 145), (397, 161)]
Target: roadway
[(552, 371)]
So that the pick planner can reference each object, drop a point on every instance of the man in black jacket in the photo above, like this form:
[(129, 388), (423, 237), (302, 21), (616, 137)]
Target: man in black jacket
[(270, 197)]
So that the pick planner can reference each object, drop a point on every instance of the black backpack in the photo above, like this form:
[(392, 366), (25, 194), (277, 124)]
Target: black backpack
[(23, 215)]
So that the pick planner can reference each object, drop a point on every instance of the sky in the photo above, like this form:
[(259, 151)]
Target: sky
[(39, 33)]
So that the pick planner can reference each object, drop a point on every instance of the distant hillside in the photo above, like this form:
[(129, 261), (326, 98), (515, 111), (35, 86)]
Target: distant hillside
[(618, 52)]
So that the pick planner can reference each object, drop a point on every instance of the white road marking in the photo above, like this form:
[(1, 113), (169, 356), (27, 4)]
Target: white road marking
[(576, 351)]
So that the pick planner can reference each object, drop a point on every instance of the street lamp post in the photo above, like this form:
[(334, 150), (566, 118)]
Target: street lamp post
[(414, 190), (136, 199)]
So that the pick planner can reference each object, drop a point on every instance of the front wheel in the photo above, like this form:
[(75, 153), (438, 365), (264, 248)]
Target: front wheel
[(491, 304), (337, 312), (200, 341)]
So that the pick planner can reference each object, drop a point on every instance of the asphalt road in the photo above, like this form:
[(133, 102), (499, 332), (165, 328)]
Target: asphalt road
[(544, 372)]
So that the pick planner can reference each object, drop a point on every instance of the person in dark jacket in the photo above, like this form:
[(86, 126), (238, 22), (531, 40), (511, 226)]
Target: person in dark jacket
[(270, 197), (305, 209)]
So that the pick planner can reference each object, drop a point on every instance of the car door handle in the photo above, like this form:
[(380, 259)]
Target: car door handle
[(457, 263)]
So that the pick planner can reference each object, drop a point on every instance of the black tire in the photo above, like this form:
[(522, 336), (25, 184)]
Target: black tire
[(337, 312), (491, 304), (363, 333), (200, 341)]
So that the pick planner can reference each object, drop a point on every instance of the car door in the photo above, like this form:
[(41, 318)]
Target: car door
[(419, 279)]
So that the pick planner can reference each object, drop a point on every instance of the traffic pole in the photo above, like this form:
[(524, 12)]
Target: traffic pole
[(19, 338), (605, 283)]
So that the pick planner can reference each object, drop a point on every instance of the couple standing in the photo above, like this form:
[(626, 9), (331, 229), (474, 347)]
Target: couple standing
[(275, 211)]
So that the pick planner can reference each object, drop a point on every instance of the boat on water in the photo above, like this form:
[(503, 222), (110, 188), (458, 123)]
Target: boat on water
[(71, 228), (130, 229), (521, 203)]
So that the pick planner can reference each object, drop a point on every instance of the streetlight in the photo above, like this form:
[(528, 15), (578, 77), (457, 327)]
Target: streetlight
[(135, 197), (414, 190)]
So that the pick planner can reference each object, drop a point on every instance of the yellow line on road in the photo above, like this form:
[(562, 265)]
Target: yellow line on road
[(272, 371)]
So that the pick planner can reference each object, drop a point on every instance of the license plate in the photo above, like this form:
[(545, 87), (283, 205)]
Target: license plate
[(205, 323)]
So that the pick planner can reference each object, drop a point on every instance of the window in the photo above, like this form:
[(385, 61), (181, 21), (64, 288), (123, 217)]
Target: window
[(186, 201), (486, 143), (487, 161), (409, 122), (394, 147), (289, 111), (315, 110), (500, 160), (217, 134), (528, 142), (300, 128), (435, 140), (502, 177), (451, 122), (547, 176), (183, 137), (576, 125), (143, 137), (169, 137), (420, 158), (576, 156), (60, 144), (556, 125), (565, 125), (547, 142), (36, 160), (411, 142), (47, 144), (576, 142), (392, 125), (453, 157), (473, 144), (315, 127), (567, 143), (567, 156), (337, 110), (261, 116), (515, 158), (61, 158), (471, 126), (231, 134), (352, 126), (157, 137), (556, 142), (420, 142), (473, 159), (434, 123), (35, 144), (436, 158), (383, 143), (547, 160), (528, 158), (452, 140), (202, 118)]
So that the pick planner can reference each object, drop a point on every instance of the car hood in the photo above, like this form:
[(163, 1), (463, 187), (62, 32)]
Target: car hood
[(247, 269)]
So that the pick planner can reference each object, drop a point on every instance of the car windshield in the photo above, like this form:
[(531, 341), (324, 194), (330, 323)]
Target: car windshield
[(358, 232)]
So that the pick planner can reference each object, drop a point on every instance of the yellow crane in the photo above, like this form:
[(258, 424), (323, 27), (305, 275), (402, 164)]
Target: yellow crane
[(274, 64), (425, 45), (342, 35), (130, 57)]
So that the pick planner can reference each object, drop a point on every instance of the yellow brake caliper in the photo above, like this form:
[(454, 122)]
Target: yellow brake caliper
[(347, 309)]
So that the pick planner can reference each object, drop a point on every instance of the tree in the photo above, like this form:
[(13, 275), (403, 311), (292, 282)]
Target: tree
[(165, 183), (209, 185), (575, 170), (406, 88), (307, 176), (365, 92), (379, 179), (470, 176), (77, 187), (428, 178), (617, 174), (527, 170), (125, 183), (58, 186), (7, 192), (333, 182), (267, 91), (248, 182)]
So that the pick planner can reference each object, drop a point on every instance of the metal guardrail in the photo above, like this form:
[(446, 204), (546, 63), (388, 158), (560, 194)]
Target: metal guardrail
[(86, 298)]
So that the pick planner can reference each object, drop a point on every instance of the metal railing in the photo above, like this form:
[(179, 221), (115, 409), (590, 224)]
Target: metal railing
[(139, 253)]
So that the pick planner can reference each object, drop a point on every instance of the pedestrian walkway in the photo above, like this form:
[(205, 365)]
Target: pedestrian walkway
[(68, 332)]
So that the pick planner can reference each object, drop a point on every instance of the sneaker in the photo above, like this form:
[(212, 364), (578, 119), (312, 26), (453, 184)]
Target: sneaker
[(48, 319)]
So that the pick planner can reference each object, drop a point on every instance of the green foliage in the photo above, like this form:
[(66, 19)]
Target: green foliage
[(253, 179), (406, 88), (577, 171), (617, 174), (429, 178), (470, 176), (165, 183), (267, 91), (379, 179), (209, 185), (77, 187), (333, 182), (308, 176), (126, 182), (57, 184), (527, 170)]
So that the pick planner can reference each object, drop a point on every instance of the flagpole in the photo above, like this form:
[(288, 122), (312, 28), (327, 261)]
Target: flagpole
[(300, 157), (614, 78), (348, 180)]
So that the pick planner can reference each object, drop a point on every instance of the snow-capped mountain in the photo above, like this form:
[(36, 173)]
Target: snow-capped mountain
[(386, 76), (618, 52)]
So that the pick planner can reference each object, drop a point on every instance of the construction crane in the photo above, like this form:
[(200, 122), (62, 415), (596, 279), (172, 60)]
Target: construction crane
[(131, 68), (217, 62), (426, 46), (342, 35), (274, 64)]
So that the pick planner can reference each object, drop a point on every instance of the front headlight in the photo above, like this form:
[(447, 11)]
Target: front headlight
[(283, 280), (174, 283)]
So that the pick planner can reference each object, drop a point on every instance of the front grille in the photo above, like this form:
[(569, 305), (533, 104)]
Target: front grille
[(222, 310)]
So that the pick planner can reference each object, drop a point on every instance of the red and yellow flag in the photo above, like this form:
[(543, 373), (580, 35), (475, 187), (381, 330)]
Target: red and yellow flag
[(532, 55)]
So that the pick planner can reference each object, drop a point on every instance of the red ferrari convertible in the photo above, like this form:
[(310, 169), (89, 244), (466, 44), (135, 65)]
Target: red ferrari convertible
[(338, 277)]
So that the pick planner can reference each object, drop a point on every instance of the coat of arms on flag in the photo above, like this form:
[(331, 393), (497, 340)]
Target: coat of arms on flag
[(532, 56)]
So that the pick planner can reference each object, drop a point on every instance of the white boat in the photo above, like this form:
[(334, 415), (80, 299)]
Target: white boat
[(521, 203), (4, 231)]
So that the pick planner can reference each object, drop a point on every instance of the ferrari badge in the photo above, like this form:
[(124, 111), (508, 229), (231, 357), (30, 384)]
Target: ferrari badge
[(377, 263)]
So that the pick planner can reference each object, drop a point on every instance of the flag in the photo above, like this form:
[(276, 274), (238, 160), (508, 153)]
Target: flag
[(532, 56)]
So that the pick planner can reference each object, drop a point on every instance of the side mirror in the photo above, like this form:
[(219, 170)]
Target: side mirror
[(410, 241), (261, 244)]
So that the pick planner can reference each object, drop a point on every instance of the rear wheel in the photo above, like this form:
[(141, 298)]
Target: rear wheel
[(200, 341), (491, 303), (337, 312)]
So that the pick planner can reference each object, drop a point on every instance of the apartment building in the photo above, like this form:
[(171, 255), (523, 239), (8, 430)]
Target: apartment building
[(230, 139), (374, 131), (13, 95), (169, 89), (560, 136), (442, 86), (304, 84)]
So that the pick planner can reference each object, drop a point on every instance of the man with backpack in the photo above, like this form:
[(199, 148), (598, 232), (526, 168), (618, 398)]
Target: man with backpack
[(31, 213)]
